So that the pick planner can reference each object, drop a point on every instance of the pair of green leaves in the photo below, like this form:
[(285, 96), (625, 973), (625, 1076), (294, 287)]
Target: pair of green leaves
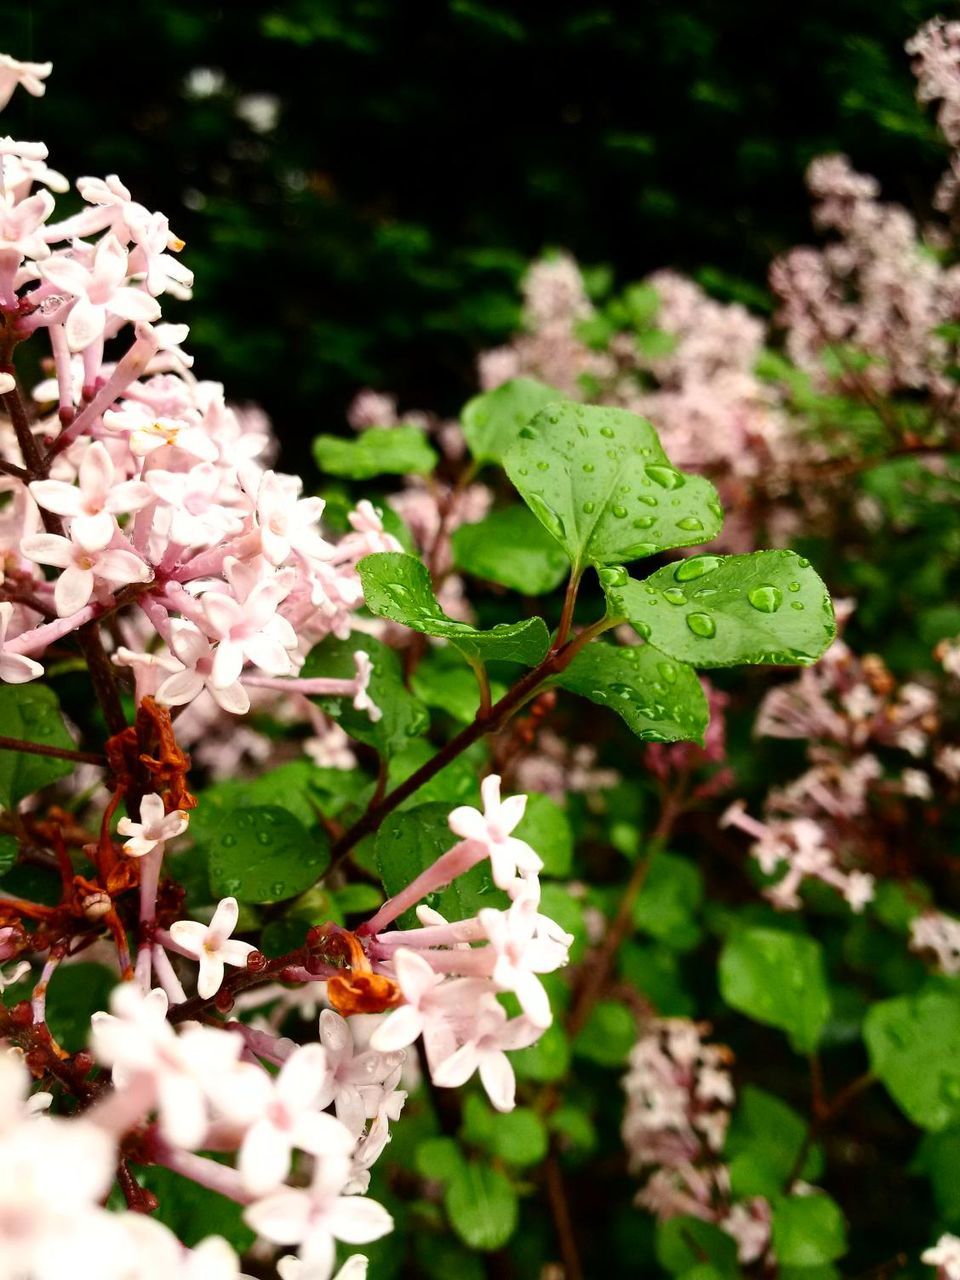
[(604, 492)]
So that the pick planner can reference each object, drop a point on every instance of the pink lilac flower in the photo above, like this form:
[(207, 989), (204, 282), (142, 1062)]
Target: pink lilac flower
[(95, 501), (491, 829), (289, 1118), (14, 667), (154, 828), (83, 568), (485, 1052), (318, 1215), (212, 945)]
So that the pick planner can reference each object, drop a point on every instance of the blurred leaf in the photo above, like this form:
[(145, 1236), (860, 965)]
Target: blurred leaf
[(777, 978), (377, 452), (914, 1047), (31, 713), (512, 548), (492, 421), (546, 828), (481, 1205), (263, 854), (667, 904), (763, 1145), (608, 1036), (808, 1230)]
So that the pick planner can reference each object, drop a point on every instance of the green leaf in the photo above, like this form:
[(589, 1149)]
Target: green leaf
[(403, 716), (398, 587), (764, 1143), (660, 700), (263, 854), (608, 1036), (546, 828), (391, 451), (30, 712), (411, 840), (512, 548), (715, 611), (777, 978), (683, 1243), (288, 787), (808, 1230), (518, 1137), (442, 680), (481, 1205), (600, 482), (668, 901), (544, 1061), (438, 1158), (76, 992), (9, 848), (938, 1157), (914, 1047), (492, 422)]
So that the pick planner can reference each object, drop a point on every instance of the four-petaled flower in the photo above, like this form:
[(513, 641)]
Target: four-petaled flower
[(82, 568), (491, 829), (212, 945), (95, 501), (155, 826)]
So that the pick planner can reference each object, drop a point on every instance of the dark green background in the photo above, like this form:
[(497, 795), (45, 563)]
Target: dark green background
[(436, 146)]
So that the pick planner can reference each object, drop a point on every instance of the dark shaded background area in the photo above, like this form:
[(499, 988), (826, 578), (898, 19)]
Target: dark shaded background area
[(424, 151)]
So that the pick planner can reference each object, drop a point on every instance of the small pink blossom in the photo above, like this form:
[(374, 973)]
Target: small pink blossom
[(95, 501), (491, 829), (14, 667), (154, 828), (484, 1052), (212, 945), (82, 569)]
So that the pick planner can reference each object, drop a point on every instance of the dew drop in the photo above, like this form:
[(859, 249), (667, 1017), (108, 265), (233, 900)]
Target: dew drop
[(607, 432), (543, 466), (615, 576), (620, 512), (701, 624), (675, 596), (765, 598), (642, 629), (589, 468), (690, 523), (794, 586), (695, 567), (228, 841), (665, 477), (589, 508), (644, 522), (796, 604), (547, 515), (803, 564), (668, 671), (278, 889)]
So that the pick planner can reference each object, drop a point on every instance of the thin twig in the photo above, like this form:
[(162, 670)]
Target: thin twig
[(42, 749)]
